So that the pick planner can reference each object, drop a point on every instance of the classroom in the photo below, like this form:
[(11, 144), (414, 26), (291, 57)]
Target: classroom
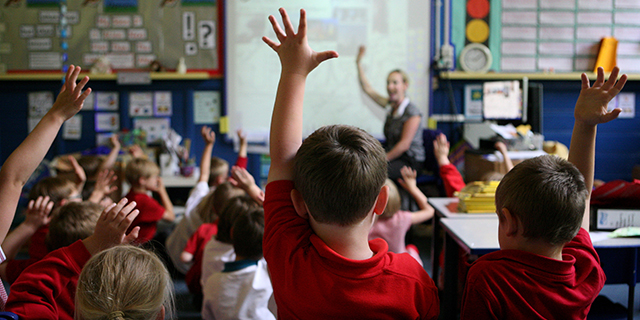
[(187, 78)]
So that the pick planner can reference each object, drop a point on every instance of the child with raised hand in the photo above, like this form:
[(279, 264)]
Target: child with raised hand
[(392, 225), (547, 266), (449, 174), (318, 232), (45, 290), (138, 279)]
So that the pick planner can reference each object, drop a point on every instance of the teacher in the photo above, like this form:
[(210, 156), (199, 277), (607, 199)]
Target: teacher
[(403, 126)]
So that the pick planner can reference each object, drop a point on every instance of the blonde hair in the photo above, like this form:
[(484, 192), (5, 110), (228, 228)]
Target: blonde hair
[(55, 187), (404, 75), (72, 222), (140, 168), (211, 205), (393, 204), (219, 168), (124, 282)]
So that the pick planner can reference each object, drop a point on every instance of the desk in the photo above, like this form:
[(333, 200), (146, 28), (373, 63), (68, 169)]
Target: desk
[(618, 257), (446, 208)]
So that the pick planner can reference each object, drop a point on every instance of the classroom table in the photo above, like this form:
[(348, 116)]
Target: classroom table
[(618, 257), (446, 208)]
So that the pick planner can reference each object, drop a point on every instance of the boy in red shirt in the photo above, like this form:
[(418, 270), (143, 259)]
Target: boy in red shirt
[(547, 267), (321, 263)]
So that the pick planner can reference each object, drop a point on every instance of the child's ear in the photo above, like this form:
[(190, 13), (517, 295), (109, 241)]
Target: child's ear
[(161, 314), (299, 205), (510, 222), (381, 201)]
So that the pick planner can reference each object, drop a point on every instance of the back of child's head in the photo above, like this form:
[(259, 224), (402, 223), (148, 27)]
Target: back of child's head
[(140, 168), (124, 282), (231, 210), (219, 171), (72, 222), (339, 171), (56, 188), (394, 202), (247, 233), (547, 195), (90, 165), (208, 209)]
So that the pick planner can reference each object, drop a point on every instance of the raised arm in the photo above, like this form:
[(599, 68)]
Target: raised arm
[(450, 175), (25, 159), (111, 227), (245, 181), (409, 129), (590, 110), (169, 214), (209, 138), (408, 182), (364, 82), (37, 215), (103, 186), (502, 148), (111, 158), (297, 60)]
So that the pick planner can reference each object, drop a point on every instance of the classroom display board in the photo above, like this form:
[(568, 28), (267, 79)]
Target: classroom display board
[(42, 35), (395, 33), (554, 35)]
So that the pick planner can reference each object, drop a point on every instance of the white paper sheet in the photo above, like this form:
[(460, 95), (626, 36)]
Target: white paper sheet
[(518, 64), (519, 33), (557, 17), (106, 101), (154, 127), (162, 103), (552, 33), (519, 17), (631, 18), (72, 129), (206, 107), (595, 18), (140, 104), (518, 48), (559, 48), (557, 64), (39, 103), (107, 121), (629, 34), (593, 33), (502, 100)]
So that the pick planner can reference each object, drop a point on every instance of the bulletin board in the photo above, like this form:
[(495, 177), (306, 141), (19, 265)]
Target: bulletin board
[(553, 35), (130, 33)]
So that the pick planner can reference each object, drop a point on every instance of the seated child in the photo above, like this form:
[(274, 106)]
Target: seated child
[(143, 175), (94, 165), (547, 267), (45, 290), (207, 210), (219, 249), (392, 225), (316, 244), (243, 289), (138, 279), (213, 172)]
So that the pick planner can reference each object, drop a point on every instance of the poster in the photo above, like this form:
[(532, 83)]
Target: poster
[(107, 121), (162, 104), (140, 104), (155, 128), (72, 129), (107, 101), (206, 107)]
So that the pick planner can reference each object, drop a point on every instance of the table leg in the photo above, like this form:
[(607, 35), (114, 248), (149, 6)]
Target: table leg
[(436, 244), (630, 304), (449, 304)]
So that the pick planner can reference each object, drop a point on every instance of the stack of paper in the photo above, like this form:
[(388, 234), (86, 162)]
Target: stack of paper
[(478, 197)]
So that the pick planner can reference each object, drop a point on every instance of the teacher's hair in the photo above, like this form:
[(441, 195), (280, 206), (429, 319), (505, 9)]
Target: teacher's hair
[(405, 76)]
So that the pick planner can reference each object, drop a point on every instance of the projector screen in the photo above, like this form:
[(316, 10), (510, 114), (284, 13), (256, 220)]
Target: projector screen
[(396, 34)]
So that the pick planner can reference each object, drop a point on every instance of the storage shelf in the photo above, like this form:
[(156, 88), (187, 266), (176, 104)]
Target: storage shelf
[(461, 75), (112, 76)]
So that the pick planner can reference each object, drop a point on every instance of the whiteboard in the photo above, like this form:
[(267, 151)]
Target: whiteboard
[(396, 34)]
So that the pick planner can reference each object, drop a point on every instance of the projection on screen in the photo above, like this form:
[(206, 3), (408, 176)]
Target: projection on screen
[(396, 34)]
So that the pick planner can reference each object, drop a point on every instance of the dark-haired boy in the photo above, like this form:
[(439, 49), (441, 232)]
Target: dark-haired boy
[(321, 263), (547, 267)]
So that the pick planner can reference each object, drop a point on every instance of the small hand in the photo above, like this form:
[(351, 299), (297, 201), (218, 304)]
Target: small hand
[(112, 226), (115, 142), (80, 175), (71, 98), (208, 135), (361, 51), (441, 149), (105, 180), (241, 178), (591, 107), (136, 151), (37, 214), (500, 146), (242, 137), (408, 179), (295, 54)]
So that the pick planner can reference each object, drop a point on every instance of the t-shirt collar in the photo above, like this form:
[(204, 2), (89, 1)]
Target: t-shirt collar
[(400, 111)]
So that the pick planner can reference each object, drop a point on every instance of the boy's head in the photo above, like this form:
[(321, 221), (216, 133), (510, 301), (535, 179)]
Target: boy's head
[(208, 209), (247, 233), (59, 190), (72, 222), (339, 171), (90, 165), (393, 204), (547, 195), (231, 210), (219, 171), (140, 171)]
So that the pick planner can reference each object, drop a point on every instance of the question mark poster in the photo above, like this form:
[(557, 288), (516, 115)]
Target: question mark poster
[(131, 34)]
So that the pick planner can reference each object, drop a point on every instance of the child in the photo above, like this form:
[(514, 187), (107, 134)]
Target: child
[(142, 174), (45, 290), (243, 289), (219, 249), (315, 238), (392, 225), (208, 212), (547, 266), (213, 172), (138, 279)]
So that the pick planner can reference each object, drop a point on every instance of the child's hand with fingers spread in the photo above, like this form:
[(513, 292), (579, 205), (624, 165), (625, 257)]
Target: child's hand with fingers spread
[(112, 226), (441, 149), (242, 178), (38, 212), (80, 175), (408, 178), (71, 98), (208, 135), (591, 107)]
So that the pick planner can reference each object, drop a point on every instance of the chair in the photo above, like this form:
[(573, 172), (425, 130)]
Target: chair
[(8, 315)]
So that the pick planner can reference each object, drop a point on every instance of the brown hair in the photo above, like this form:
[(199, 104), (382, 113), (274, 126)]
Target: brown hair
[(339, 171), (209, 207), (404, 75), (247, 233), (219, 167), (548, 195), (231, 210), (140, 168), (90, 165), (55, 187), (124, 282), (393, 204), (72, 222)]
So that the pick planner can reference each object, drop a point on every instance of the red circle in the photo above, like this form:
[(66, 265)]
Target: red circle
[(478, 9)]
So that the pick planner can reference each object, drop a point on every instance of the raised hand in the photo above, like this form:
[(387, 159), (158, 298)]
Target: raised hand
[(591, 107), (38, 212), (112, 226), (361, 51), (295, 54), (115, 142), (71, 98), (408, 180), (208, 135), (441, 149)]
